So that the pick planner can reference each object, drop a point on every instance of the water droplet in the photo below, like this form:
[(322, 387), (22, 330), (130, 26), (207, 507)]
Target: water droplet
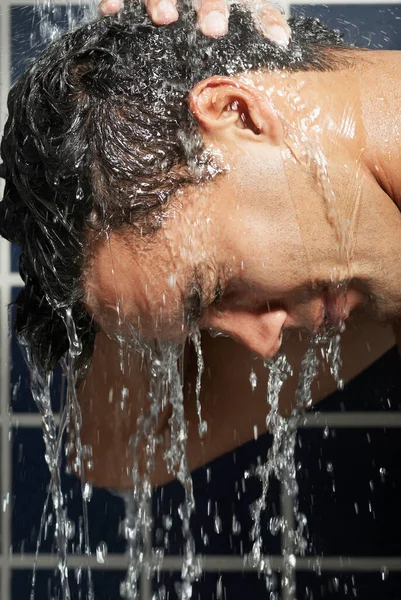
[(69, 529), (6, 501), (336, 584), (236, 526), (80, 194), (292, 560), (219, 588), (217, 524), (275, 525), (87, 492), (101, 553), (253, 379)]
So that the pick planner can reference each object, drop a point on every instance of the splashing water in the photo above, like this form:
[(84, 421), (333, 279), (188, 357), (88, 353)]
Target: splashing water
[(176, 459), (51, 15), (280, 461), (196, 340), (166, 391), (53, 438)]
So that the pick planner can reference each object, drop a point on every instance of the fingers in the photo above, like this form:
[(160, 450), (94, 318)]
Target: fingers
[(162, 12), (213, 17), (270, 21), (273, 24), (110, 7)]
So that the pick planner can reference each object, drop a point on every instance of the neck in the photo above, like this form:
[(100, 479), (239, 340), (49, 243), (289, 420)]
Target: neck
[(349, 120), (351, 112), (380, 91)]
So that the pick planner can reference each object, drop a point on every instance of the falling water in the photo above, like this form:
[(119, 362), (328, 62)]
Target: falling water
[(74, 412), (196, 339), (40, 388), (280, 460), (166, 391), (51, 16)]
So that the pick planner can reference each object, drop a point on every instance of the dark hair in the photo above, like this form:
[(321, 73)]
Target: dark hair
[(99, 135)]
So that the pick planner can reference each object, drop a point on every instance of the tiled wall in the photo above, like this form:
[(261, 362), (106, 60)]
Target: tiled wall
[(350, 481)]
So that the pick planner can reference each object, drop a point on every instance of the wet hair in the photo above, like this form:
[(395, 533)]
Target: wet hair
[(99, 136)]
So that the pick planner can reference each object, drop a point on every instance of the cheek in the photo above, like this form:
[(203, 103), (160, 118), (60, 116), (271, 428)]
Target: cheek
[(268, 247)]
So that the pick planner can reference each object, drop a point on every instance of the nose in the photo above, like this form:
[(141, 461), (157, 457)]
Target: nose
[(259, 331)]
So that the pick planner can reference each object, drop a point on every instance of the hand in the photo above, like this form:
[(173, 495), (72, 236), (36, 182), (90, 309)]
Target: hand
[(212, 17)]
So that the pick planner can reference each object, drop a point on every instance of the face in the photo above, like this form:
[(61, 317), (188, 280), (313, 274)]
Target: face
[(237, 255)]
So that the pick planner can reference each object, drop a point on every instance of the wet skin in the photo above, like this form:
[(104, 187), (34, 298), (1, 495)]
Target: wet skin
[(258, 251)]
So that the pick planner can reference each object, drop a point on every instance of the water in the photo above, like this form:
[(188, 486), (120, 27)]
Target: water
[(196, 340), (280, 460), (166, 389), (55, 19), (53, 438)]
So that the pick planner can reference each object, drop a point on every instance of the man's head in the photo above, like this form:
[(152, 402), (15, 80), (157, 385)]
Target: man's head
[(106, 140)]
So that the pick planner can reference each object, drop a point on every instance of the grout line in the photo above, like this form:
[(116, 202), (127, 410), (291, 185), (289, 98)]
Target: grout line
[(29, 420), (388, 419), (9, 278), (345, 420), (217, 563)]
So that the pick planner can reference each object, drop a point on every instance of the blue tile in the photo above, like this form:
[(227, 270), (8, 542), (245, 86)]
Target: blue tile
[(378, 388), (349, 488), (26, 39), (15, 254), (227, 586), (106, 585), (339, 586), (221, 496), (29, 492), (365, 25)]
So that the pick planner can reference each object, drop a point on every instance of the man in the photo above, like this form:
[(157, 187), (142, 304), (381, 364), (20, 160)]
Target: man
[(166, 182)]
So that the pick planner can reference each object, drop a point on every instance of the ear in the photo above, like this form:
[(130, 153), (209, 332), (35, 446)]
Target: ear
[(224, 104)]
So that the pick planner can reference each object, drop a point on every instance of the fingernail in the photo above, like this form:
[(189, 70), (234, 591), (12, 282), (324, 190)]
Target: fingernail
[(214, 23), (110, 7), (277, 34), (165, 11)]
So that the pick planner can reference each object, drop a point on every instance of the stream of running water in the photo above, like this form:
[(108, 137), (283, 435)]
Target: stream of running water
[(166, 389)]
